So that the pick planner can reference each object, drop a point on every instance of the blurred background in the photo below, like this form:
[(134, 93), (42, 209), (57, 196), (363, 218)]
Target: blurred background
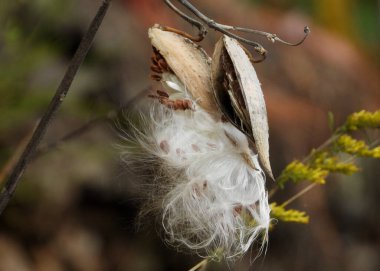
[(77, 206)]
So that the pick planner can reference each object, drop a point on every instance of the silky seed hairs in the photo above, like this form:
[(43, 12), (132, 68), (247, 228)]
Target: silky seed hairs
[(207, 132)]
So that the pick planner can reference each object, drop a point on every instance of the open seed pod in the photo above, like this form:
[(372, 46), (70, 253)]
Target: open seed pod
[(189, 62), (239, 96)]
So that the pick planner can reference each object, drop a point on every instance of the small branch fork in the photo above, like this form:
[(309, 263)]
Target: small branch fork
[(225, 29), (86, 127), (61, 92)]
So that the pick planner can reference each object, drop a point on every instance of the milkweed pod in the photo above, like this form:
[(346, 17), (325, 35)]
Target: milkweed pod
[(239, 96), (189, 62)]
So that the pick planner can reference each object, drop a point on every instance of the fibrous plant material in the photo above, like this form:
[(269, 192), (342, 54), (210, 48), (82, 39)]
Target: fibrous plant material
[(211, 187)]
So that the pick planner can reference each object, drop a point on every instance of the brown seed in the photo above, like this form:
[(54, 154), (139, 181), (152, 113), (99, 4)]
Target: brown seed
[(195, 148), (163, 65), (163, 93), (237, 210), (211, 145), (156, 77), (154, 59), (164, 145), (154, 68)]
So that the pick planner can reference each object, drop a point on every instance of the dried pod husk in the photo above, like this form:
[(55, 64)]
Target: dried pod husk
[(239, 96), (190, 64)]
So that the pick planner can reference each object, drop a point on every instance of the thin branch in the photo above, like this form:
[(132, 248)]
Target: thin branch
[(16, 155), (225, 29), (69, 136), (299, 194), (61, 92), (200, 266), (111, 115), (273, 191), (201, 28), (323, 146), (270, 36)]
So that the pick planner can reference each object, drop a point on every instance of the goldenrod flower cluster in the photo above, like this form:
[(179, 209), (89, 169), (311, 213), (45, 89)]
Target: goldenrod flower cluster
[(297, 172), (330, 158), (362, 120), (288, 215), (330, 162), (347, 144)]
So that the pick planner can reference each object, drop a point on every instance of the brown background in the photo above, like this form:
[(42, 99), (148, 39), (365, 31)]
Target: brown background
[(76, 208)]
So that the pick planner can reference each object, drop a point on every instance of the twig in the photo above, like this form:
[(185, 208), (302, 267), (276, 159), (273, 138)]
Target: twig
[(199, 266), (16, 155), (89, 125), (73, 134), (273, 191), (299, 194), (202, 29), (61, 92), (225, 29), (323, 146)]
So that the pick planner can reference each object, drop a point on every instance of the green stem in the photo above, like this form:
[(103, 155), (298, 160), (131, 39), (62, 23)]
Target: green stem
[(311, 186), (202, 264), (299, 194)]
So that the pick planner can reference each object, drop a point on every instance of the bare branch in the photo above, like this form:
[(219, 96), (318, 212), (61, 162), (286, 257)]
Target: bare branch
[(61, 92), (69, 136), (202, 29), (111, 115), (15, 155), (225, 29), (200, 266)]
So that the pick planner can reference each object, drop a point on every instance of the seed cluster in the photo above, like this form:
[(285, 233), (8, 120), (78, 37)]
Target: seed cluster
[(178, 104), (159, 65)]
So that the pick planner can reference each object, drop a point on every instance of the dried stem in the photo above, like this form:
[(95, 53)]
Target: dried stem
[(111, 115), (299, 194), (200, 266), (202, 29), (61, 92), (323, 146), (16, 155), (225, 29), (69, 136)]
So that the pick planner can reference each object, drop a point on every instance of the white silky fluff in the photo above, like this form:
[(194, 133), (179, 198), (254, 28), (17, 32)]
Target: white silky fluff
[(215, 201)]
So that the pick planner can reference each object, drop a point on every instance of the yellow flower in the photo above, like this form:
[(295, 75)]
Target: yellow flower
[(298, 172), (362, 119), (346, 143), (290, 215)]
